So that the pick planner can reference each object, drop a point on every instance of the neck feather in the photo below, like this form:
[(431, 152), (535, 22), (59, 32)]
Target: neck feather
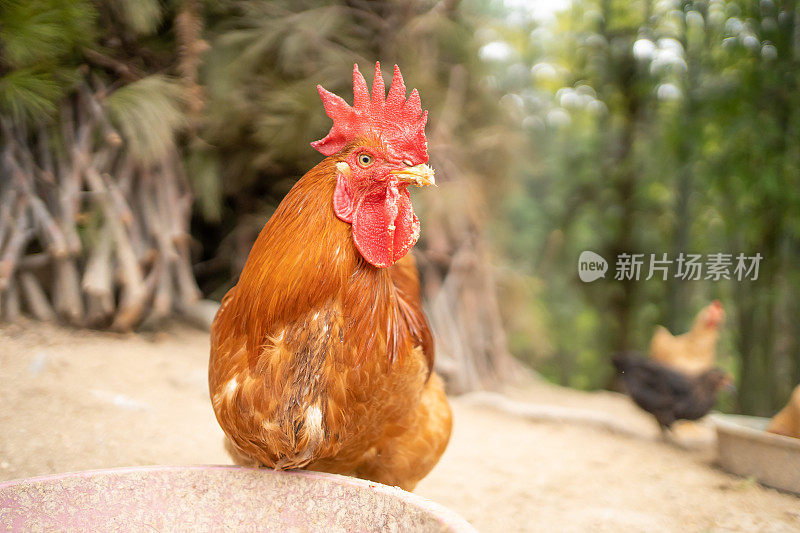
[(303, 258)]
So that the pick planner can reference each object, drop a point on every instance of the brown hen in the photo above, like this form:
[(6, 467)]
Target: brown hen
[(787, 421), (694, 352)]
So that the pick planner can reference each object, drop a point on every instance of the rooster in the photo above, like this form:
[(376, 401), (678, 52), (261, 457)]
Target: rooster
[(321, 355), (693, 352), (667, 394), (787, 421)]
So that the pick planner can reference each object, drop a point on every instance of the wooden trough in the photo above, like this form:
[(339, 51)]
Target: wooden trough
[(215, 498), (746, 449)]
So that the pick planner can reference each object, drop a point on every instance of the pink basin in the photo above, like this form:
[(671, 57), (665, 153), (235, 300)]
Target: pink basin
[(215, 498)]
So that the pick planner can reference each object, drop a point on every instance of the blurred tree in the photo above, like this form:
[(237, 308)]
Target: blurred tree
[(652, 126), (661, 127), (263, 110), (94, 204), (105, 102), (755, 144)]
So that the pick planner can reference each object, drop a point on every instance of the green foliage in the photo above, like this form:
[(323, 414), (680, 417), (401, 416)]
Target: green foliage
[(263, 109), (149, 113), (39, 41), (659, 127), (645, 126), (260, 75), (44, 31), (28, 93), (47, 47), (141, 16)]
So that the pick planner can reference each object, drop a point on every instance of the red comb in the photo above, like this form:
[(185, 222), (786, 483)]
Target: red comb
[(397, 122)]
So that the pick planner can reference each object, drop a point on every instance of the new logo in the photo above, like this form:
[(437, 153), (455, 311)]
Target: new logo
[(591, 266)]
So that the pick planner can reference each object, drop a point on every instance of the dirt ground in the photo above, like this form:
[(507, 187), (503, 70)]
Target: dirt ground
[(82, 400)]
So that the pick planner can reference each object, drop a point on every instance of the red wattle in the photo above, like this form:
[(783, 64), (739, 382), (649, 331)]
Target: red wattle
[(406, 226), (383, 222)]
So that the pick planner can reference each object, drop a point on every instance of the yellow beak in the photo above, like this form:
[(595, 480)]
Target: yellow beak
[(419, 175)]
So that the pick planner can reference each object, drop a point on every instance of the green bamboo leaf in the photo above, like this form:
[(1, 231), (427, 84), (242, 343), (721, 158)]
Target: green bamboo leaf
[(39, 31), (29, 93), (141, 16), (149, 113)]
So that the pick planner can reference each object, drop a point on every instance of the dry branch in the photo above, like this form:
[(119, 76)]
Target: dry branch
[(67, 299), (35, 298), (98, 283), (20, 235), (89, 235), (11, 306)]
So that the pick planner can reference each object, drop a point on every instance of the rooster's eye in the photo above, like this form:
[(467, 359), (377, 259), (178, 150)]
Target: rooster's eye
[(364, 160)]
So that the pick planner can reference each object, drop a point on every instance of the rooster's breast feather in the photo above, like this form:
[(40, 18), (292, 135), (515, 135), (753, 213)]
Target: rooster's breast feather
[(316, 355)]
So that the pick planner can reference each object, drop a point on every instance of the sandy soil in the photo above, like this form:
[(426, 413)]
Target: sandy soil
[(81, 400)]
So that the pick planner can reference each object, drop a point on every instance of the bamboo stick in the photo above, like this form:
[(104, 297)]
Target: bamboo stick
[(6, 207), (21, 234), (50, 229), (34, 261), (67, 299), (131, 304), (140, 263), (11, 305), (98, 283), (35, 298)]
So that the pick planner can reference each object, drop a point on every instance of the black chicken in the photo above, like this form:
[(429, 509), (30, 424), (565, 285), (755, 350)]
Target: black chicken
[(667, 394)]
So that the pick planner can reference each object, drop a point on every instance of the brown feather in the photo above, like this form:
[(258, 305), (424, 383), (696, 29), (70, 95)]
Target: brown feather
[(321, 360), (406, 281)]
